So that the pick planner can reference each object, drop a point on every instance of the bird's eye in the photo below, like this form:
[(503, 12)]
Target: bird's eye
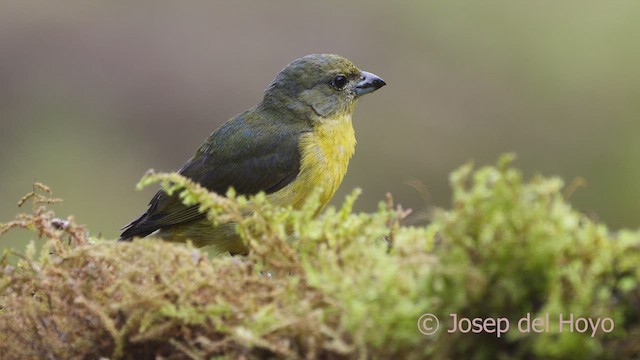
[(339, 82)]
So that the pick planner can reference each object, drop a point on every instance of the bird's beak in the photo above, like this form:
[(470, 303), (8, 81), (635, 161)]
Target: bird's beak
[(369, 83)]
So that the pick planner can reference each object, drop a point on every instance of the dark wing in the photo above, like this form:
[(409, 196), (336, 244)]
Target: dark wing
[(249, 153)]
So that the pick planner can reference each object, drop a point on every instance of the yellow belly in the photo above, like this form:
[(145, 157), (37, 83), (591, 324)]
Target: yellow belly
[(325, 156), (323, 164)]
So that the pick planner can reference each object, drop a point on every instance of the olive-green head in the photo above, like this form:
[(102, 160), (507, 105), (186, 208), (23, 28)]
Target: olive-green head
[(325, 84)]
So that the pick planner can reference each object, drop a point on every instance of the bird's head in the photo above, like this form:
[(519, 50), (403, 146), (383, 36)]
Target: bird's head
[(325, 84)]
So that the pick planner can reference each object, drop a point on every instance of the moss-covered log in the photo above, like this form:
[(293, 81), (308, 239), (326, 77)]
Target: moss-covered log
[(342, 285)]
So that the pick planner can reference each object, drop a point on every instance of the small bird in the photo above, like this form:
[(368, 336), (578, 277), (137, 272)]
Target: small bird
[(297, 139)]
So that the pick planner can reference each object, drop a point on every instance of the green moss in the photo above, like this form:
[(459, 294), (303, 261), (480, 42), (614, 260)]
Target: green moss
[(339, 285)]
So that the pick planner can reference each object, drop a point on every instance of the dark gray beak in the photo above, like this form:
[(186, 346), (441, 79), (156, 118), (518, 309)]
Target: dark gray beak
[(369, 83)]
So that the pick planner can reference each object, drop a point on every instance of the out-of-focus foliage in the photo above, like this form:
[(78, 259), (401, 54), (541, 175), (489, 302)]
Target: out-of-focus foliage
[(341, 285)]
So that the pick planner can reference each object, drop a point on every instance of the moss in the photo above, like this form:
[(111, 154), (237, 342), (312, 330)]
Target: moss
[(339, 285)]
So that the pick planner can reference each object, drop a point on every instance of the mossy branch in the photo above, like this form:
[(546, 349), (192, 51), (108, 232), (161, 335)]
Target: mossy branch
[(338, 285)]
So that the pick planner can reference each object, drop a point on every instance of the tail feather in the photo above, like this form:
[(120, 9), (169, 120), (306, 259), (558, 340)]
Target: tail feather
[(135, 228)]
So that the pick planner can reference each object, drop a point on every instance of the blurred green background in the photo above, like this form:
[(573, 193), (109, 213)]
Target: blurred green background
[(93, 95)]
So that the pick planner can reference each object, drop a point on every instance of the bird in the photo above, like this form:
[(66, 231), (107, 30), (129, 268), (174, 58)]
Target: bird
[(296, 141)]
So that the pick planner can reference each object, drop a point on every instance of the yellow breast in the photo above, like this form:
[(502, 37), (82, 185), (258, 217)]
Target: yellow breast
[(325, 156)]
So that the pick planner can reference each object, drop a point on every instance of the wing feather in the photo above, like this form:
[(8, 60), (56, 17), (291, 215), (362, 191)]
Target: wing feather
[(244, 153)]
